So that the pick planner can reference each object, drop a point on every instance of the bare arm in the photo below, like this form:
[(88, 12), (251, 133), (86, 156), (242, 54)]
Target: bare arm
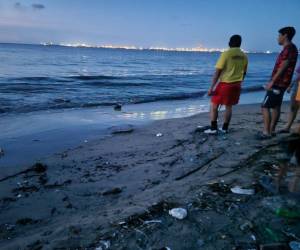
[(245, 71), (215, 79), (291, 86)]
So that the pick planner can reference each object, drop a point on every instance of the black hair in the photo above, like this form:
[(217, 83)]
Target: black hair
[(235, 41), (289, 31)]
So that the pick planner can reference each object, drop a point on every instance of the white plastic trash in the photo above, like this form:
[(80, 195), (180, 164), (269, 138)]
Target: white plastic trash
[(178, 213), (105, 244), (159, 134), (239, 190)]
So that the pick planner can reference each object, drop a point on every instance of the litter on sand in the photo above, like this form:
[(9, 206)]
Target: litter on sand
[(178, 213), (239, 190)]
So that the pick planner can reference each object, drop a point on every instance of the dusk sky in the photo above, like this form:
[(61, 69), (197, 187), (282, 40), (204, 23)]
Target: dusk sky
[(159, 23)]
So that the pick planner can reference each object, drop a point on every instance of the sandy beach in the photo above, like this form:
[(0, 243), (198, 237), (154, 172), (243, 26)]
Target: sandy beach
[(115, 192)]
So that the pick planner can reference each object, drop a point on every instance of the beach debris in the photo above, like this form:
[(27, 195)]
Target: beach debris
[(64, 155), (1, 152), (219, 188), (122, 129), (294, 245), (246, 225), (19, 196), (200, 243), (118, 107), (178, 213), (205, 163), (39, 168), (116, 190), (289, 234), (10, 227), (287, 213), (152, 221), (86, 141), (104, 244), (159, 134), (273, 236), (275, 167), (26, 221), (268, 184), (239, 190), (253, 237), (237, 143)]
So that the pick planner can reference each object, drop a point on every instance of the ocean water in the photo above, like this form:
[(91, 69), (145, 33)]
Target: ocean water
[(40, 78), (53, 98)]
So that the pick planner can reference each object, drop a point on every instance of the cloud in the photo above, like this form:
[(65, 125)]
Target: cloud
[(38, 6), (18, 5), (34, 6)]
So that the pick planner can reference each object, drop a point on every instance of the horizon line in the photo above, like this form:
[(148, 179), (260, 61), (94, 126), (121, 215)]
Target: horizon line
[(132, 47)]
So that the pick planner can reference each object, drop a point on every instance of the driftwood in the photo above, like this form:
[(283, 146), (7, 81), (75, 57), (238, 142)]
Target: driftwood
[(201, 166), (38, 168)]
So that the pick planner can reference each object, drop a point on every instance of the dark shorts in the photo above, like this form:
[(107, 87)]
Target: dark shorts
[(273, 98), (227, 94)]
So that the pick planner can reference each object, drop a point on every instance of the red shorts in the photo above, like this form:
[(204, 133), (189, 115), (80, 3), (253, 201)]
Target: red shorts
[(227, 93)]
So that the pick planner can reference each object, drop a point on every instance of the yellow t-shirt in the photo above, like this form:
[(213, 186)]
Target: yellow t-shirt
[(233, 64)]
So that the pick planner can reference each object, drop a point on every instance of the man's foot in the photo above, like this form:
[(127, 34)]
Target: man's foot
[(210, 131), (267, 183)]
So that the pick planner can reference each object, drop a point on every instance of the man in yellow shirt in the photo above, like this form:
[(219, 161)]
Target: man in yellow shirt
[(230, 71)]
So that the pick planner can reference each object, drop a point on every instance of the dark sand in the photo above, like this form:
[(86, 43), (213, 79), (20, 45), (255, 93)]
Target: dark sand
[(116, 192)]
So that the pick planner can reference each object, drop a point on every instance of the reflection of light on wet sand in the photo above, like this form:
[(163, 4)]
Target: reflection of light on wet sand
[(165, 113), (157, 115)]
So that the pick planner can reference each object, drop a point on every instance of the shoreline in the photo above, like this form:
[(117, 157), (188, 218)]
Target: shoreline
[(83, 195), (42, 132)]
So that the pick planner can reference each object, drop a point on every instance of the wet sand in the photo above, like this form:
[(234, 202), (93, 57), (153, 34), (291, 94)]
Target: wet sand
[(104, 193)]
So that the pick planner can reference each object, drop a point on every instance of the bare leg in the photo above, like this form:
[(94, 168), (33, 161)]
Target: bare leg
[(292, 114), (214, 112), (294, 182), (281, 174), (274, 118), (267, 120), (227, 114), (298, 130)]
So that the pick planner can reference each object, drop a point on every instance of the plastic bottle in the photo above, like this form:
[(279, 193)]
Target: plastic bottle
[(287, 213)]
